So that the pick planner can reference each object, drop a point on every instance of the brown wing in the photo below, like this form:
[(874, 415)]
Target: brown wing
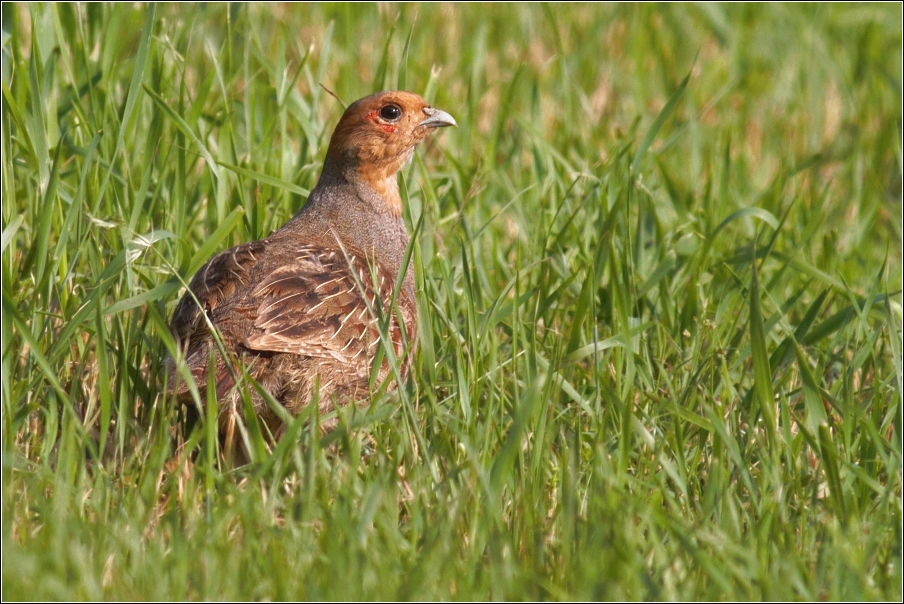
[(322, 305), (215, 283), (317, 303)]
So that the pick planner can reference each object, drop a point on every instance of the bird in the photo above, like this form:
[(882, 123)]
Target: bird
[(300, 310)]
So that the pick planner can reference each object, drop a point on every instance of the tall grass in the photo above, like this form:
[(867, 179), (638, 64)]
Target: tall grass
[(659, 277)]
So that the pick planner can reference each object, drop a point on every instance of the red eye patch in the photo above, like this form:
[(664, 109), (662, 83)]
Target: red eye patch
[(374, 115)]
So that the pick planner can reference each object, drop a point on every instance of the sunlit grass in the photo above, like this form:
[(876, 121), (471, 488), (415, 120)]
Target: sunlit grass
[(659, 278)]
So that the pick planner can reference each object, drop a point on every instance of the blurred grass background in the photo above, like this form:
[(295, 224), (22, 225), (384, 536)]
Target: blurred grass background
[(659, 269)]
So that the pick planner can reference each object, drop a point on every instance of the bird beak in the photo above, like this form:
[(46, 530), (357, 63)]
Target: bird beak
[(437, 118)]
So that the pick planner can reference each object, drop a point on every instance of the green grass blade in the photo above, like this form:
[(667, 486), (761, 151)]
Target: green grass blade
[(762, 373), (267, 180), (186, 130), (657, 124)]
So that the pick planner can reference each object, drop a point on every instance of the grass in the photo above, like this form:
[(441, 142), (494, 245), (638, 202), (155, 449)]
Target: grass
[(659, 272)]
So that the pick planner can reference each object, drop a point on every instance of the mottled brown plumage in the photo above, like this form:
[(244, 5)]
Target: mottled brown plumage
[(301, 309)]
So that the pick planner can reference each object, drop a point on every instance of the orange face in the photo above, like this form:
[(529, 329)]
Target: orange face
[(379, 133)]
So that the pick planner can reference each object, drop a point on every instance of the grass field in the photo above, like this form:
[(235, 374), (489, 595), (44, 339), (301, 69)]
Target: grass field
[(659, 272)]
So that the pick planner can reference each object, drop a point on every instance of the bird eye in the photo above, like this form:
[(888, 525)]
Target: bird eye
[(390, 113)]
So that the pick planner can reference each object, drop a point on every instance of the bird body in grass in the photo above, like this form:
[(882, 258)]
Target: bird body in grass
[(300, 310)]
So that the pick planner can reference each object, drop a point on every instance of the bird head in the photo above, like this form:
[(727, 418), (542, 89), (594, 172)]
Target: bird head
[(377, 136)]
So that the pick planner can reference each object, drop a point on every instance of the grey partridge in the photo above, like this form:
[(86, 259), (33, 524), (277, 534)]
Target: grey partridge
[(300, 309)]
